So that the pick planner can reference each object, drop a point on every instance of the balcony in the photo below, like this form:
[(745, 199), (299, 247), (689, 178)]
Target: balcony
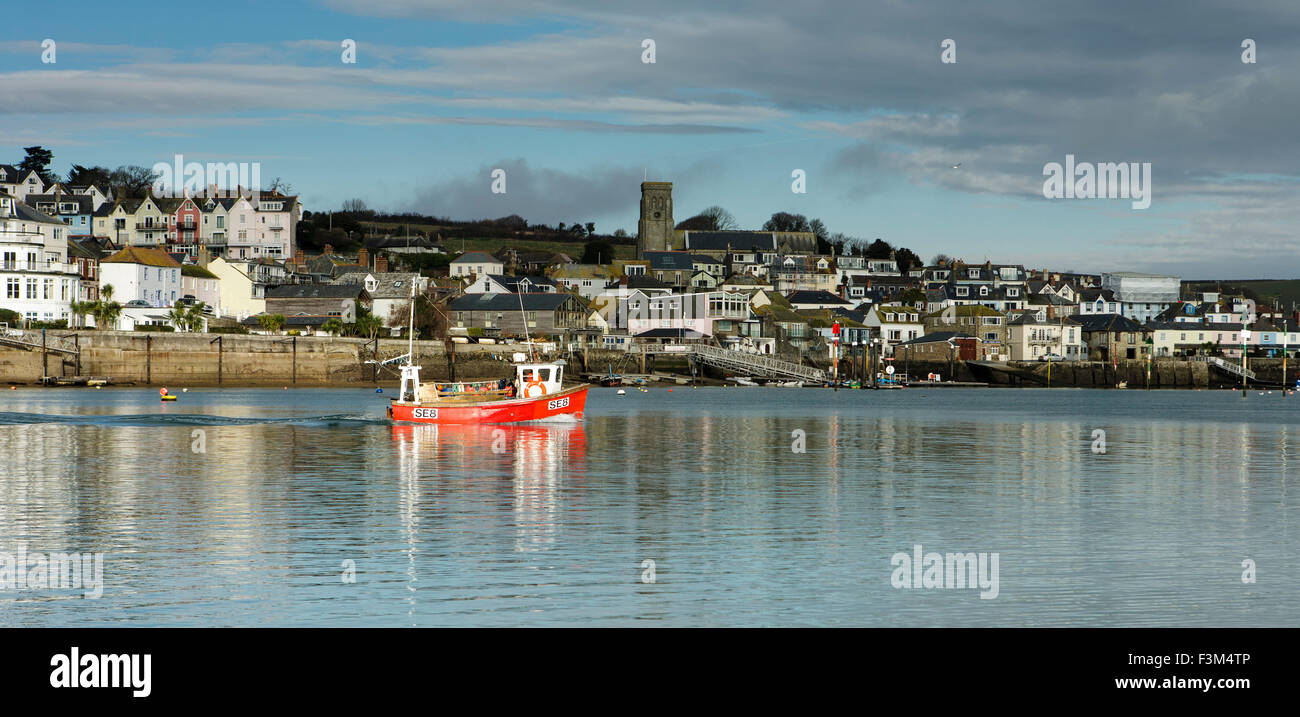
[(39, 267), (150, 227), (13, 237)]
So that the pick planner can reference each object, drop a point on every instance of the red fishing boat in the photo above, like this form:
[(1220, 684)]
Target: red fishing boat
[(536, 393)]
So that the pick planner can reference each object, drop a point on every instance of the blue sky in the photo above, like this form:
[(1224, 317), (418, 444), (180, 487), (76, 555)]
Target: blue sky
[(740, 95)]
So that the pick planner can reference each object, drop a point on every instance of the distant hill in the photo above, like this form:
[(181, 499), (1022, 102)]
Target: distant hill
[(1281, 291)]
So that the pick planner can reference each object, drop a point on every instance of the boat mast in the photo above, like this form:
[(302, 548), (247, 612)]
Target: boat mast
[(524, 317), (410, 335)]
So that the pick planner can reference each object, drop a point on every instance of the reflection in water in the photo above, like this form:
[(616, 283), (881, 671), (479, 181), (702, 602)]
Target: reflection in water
[(537, 457), (548, 524)]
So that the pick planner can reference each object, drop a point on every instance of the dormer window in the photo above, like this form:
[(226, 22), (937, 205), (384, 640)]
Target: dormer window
[(961, 291), (984, 291)]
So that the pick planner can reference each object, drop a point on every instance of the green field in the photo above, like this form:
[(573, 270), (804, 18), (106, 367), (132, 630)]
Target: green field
[(572, 248), (1284, 292)]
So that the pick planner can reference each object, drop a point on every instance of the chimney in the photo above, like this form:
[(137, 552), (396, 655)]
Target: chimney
[(204, 257), (329, 249), (298, 258), (381, 264), (363, 258)]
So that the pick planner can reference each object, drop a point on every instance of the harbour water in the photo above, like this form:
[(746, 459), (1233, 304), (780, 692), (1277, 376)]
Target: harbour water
[(757, 507)]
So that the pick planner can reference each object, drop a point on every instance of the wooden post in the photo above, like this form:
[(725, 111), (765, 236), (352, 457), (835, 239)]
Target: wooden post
[(45, 368), (294, 368), (76, 343), (220, 347), (148, 359)]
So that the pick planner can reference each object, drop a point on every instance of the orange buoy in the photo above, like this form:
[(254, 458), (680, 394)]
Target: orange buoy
[(162, 391)]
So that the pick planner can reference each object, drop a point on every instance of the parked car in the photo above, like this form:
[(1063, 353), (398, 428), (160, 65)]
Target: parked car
[(137, 303), (1051, 357)]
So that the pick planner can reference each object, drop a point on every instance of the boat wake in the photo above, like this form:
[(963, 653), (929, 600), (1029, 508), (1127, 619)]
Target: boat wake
[(187, 419)]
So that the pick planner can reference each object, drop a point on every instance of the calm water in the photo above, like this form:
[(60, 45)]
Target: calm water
[(554, 525)]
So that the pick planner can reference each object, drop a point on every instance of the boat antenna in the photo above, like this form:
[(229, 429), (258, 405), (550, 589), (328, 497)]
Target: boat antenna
[(524, 317)]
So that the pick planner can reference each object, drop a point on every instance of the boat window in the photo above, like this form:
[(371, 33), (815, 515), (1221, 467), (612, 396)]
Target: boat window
[(545, 374)]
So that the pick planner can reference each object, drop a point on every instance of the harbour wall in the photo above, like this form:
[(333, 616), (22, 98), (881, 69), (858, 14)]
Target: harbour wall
[(252, 360), (242, 360)]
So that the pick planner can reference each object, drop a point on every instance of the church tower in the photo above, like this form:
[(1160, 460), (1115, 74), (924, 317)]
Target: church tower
[(655, 230)]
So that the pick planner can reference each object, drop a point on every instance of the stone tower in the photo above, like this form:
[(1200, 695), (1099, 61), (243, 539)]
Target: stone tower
[(655, 230)]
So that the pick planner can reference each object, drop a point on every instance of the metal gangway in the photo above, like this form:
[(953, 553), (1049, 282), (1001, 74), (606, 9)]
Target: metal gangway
[(1230, 367), (31, 340), (739, 361)]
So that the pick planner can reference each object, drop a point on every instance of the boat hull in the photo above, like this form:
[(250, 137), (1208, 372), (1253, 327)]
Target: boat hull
[(565, 405)]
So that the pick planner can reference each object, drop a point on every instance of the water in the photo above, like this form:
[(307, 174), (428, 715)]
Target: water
[(241, 507)]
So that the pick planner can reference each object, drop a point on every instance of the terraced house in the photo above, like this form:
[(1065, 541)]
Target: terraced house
[(551, 315), (987, 324), (36, 279)]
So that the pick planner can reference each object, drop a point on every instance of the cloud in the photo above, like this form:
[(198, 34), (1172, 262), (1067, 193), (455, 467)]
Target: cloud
[(537, 194)]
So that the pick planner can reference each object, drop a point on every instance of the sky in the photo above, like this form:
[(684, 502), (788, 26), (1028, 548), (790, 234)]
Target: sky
[(892, 141)]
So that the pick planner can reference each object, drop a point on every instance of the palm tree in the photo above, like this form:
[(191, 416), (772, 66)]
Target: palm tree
[(332, 326), (178, 316), (105, 310), (81, 309), (194, 318)]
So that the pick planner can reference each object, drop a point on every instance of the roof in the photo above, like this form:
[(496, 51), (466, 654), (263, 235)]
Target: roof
[(579, 271), (316, 291), (1029, 317), (669, 260), (141, 255), (476, 256), (196, 270), (966, 310), (31, 214), (85, 203), (815, 297), (85, 250), (1107, 322), (509, 302), (389, 285)]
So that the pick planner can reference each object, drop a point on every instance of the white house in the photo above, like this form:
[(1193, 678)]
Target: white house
[(18, 184), (141, 274), (895, 323), (476, 263), (39, 284)]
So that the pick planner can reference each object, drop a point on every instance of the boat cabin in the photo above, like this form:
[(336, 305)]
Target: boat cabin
[(536, 379), (532, 380)]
